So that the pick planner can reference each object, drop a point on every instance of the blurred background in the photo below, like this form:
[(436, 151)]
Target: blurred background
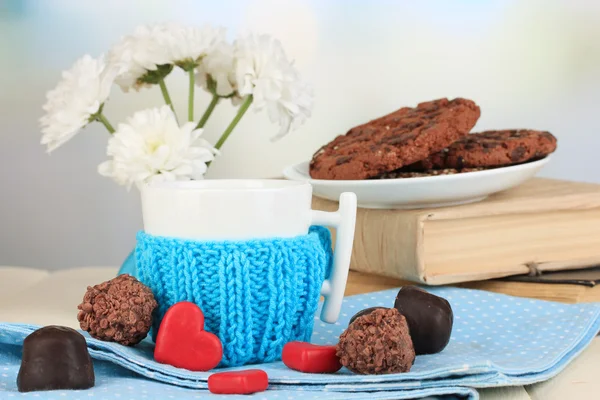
[(528, 64)]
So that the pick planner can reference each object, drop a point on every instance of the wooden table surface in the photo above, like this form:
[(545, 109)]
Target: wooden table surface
[(359, 283)]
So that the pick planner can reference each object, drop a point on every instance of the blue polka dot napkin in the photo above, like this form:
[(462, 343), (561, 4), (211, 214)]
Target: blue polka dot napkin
[(497, 340)]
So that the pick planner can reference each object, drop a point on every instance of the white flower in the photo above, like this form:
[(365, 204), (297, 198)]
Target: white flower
[(219, 66), (78, 96), (189, 44), (138, 53), (150, 146), (151, 46), (263, 70)]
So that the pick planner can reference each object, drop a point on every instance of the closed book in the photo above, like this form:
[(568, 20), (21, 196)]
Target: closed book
[(541, 225), (564, 286), (571, 286)]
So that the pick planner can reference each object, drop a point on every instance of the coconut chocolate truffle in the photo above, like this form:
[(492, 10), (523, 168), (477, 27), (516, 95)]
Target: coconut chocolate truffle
[(119, 310), (377, 343)]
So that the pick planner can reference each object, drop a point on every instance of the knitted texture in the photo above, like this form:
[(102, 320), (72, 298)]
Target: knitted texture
[(256, 295)]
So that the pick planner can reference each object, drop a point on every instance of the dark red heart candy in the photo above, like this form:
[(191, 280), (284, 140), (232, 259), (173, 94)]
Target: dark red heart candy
[(182, 341), (311, 358), (238, 382)]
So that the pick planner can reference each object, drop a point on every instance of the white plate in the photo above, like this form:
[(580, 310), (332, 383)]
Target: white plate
[(421, 192)]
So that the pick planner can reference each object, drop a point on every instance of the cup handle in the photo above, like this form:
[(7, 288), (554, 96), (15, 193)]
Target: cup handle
[(344, 220)]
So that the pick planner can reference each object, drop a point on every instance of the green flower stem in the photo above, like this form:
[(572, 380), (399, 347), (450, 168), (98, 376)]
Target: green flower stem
[(101, 118), (243, 108), (191, 96), (165, 93), (208, 112)]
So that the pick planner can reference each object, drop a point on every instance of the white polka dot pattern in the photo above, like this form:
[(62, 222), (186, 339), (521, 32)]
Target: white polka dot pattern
[(497, 340)]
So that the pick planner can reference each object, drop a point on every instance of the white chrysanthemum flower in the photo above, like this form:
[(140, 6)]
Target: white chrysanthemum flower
[(153, 46), (150, 146), (263, 70), (138, 53), (187, 45), (218, 65), (78, 96)]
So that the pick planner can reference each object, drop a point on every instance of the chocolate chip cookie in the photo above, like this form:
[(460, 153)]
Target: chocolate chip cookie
[(401, 173), (491, 149), (394, 140)]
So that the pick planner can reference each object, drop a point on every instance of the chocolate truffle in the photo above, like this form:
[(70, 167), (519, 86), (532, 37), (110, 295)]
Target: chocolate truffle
[(377, 343), (55, 358), (119, 310), (429, 318), (365, 312)]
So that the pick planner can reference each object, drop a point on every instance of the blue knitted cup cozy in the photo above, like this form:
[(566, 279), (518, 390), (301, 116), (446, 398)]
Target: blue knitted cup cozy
[(256, 295)]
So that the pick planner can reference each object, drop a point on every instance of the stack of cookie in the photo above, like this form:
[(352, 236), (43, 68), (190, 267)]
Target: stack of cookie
[(430, 139)]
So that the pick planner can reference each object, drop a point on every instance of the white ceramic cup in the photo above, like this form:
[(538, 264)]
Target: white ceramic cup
[(231, 209)]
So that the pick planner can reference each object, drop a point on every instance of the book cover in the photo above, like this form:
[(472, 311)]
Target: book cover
[(552, 224)]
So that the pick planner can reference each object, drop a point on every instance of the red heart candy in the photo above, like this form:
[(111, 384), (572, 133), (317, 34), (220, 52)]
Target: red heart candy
[(306, 357), (238, 382), (182, 341)]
